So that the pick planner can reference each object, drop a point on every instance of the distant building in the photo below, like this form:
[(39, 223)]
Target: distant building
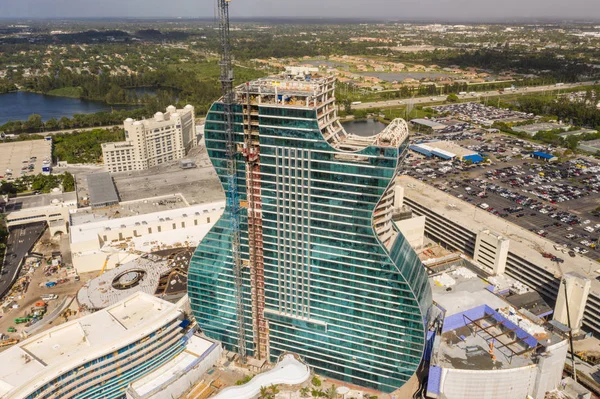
[(166, 137), (101, 354), (544, 156)]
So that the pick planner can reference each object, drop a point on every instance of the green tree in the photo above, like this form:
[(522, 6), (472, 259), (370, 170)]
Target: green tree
[(452, 98), (331, 392), (7, 188), (68, 182), (34, 122), (316, 381)]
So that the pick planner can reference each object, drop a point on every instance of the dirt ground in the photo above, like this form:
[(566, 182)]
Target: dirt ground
[(36, 288)]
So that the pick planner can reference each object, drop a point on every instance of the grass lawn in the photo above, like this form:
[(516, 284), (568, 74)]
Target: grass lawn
[(73, 92)]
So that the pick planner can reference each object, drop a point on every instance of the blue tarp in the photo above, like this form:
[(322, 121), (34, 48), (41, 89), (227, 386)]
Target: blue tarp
[(434, 381), (475, 158), (420, 150), (543, 155)]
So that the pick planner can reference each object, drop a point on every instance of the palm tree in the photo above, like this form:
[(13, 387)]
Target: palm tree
[(274, 390), (331, 392), (304, 392)]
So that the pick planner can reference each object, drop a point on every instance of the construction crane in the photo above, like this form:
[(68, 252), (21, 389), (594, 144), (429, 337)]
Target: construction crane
[(233, 201)]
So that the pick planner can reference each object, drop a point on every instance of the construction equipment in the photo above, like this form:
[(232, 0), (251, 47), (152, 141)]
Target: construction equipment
[(233, 202), (104, 266), (8, 342)]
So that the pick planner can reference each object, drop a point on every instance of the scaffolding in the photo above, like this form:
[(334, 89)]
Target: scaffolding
[(251, 153)]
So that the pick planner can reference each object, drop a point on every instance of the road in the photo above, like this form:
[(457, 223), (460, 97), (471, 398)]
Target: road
[(20, 241), (430, 99)]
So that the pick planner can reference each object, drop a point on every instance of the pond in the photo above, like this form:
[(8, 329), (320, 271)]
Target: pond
[(20, 105)]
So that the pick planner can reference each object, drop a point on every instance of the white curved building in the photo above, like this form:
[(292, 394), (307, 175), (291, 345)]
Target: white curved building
[(99, 355), (166, 137)]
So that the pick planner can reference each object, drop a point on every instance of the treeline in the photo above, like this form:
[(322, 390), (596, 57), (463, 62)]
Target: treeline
[(582, 112), (40, 183), (7, 88), (556, 70), (103, 87), (84, 147)]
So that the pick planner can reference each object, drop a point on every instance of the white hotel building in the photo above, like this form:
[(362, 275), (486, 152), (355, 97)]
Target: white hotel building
[(167, 137)]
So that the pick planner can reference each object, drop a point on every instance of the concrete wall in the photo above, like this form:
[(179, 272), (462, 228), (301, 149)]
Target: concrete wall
[(489, 384), (413, 230), (550, 368), (49, 214), (491, 251), (578, 289)]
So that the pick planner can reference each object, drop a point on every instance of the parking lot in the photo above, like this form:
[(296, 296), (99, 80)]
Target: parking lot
[(21, 158), (481, 114), (558, 201)]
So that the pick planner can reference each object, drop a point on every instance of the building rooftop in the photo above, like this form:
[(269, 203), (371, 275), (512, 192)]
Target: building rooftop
[(475, 316), (465, 294), (102, 190), (451, 147), (42, 200), (88, 226), (467, 347), (522, 241), (37, 360)]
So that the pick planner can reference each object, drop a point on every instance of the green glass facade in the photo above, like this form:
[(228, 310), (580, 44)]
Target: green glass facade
[(353, 309)]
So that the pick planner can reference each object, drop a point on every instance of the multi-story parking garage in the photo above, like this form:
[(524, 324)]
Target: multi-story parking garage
[(456, 225)]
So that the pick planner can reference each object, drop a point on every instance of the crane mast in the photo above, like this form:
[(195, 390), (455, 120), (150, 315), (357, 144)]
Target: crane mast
[(233, 200)]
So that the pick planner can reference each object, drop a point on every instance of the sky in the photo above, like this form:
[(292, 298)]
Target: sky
[(465, 10)]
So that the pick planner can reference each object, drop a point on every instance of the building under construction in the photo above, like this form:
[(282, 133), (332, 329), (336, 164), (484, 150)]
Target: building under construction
[(306, 257)]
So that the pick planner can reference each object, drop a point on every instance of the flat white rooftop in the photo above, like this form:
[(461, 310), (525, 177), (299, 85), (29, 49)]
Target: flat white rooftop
[(40, 201), (41, 358), (86, 228), (522, 242)]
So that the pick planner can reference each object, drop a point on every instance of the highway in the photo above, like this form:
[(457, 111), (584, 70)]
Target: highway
[(20, 241), (432, 99)]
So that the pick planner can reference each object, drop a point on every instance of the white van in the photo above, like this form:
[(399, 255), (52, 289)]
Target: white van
[(49, 297)]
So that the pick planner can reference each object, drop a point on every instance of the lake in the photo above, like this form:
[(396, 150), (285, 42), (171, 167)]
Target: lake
[(365, 127), (20, 105)]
